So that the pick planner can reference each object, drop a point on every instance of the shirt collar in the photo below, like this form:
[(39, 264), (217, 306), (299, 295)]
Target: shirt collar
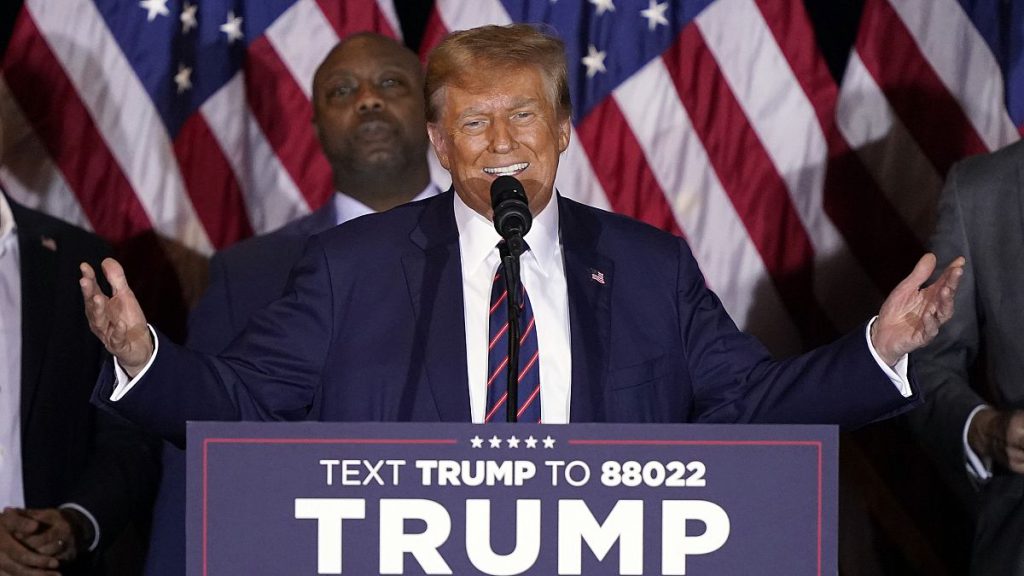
[(7, 225), (348, 208), (477, 238)]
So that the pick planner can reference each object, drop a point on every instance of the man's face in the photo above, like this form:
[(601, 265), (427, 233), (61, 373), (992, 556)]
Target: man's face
[(368, 106), (495, 123)]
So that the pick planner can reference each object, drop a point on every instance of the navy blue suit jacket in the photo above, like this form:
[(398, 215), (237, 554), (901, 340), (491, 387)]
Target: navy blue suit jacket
[(247, 277), (243, 279), (371, 327)]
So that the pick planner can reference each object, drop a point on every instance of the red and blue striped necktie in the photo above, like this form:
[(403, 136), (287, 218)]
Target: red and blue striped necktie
[(497, 357)]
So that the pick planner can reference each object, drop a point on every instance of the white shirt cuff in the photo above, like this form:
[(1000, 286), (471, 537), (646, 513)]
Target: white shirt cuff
[(976, 466), (897, 374), (124, 383), (92, 520)]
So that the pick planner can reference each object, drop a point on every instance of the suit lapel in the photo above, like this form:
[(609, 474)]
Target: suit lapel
[(38, 254), (435, 285), (589, 277)]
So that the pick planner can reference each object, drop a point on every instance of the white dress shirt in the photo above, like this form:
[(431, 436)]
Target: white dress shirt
[(347, 208), (977, 467), (12, 491), (542, 271)]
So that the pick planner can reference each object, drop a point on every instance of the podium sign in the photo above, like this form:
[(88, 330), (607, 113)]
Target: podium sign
[(387, 498)]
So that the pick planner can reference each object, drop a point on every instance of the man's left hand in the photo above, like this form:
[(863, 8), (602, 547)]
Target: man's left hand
[(912, 314)]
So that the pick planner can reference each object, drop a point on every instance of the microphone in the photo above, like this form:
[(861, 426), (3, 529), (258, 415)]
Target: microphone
[(512, 218)]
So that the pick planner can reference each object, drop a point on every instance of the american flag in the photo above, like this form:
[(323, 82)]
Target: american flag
[(173, 128), (804, 199)]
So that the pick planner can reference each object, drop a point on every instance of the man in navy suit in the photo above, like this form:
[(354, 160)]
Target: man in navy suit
[(369, 115), (385, 318)]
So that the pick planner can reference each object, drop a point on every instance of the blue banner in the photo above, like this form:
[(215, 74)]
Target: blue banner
[(386, 498)]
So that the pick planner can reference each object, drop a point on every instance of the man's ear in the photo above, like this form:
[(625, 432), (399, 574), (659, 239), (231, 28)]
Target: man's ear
[(440, 144)]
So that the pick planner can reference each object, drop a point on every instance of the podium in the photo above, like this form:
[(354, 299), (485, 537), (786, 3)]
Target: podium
[(408, 498)]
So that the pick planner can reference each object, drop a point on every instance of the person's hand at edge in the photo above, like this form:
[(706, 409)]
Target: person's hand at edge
[(998, 436), (64, 533), (16, 558)]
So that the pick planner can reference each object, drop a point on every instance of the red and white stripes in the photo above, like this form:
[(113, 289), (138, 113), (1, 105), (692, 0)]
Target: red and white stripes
[(247, 162), (803, 203), (804, 199)]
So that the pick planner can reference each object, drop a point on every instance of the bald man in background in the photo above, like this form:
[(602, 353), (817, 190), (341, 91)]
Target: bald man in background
[(369, 115)]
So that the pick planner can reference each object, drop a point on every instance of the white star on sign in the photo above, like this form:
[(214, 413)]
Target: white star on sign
[(549, 442), (531, 442), (155, 8), (594, 61), (495, 442), (603, 6), (183, 78), (476, 441), (233, 27), (655, 14), (513, 442), (188, 17)]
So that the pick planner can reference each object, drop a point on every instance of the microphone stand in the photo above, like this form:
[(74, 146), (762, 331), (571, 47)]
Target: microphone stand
[(510, 250)]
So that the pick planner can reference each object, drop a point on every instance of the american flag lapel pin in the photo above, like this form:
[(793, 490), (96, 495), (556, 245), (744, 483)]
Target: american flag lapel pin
[(48, 243), (597, 276)]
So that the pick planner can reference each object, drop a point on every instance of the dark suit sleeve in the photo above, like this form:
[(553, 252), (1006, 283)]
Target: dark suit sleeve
[(945, 363), (271, 372), (120, 480), (212, 324), (736, 379)]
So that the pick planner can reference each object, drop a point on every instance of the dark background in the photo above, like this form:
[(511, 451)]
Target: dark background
[(897, 518)]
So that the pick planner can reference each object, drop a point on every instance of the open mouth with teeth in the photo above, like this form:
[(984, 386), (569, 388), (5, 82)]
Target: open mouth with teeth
[(510, 170)]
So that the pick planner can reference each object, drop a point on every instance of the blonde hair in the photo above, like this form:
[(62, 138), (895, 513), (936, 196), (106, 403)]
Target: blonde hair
[(509, 47)]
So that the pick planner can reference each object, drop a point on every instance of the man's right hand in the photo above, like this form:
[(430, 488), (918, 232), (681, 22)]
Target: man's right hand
[(17, 559), (117, 321), (999, 435)]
